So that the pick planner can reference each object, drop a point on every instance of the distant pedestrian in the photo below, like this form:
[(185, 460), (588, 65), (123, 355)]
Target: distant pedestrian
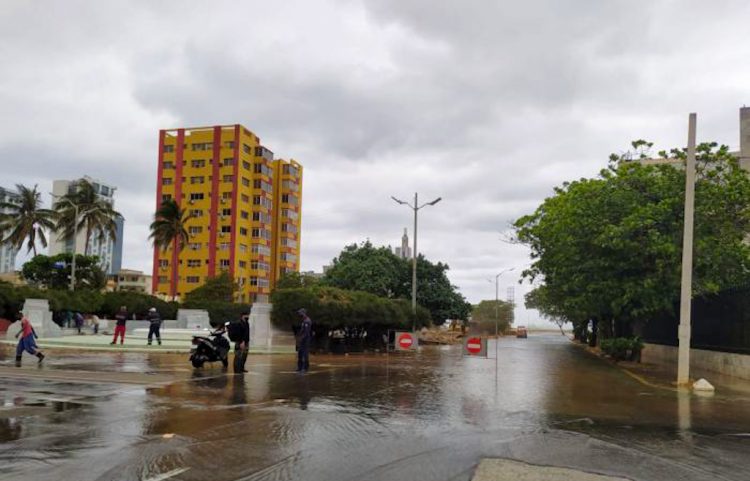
[(239, 334), (27, 342), (154, 320), (304, 339), (78, 319), (120, 319), (95, 323)]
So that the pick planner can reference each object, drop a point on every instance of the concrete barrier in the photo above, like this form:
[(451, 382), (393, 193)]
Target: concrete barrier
[(727, 363)]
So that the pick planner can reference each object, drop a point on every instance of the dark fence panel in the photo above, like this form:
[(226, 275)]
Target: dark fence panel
[(720, 323)]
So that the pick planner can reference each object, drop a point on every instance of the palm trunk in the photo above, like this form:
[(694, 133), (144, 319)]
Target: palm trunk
[(86, 245), (175, 259)]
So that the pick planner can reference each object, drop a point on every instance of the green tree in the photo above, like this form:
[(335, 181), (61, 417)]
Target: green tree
[(26, 220), (217, 297), (378, 271), (609, 249), (293, 279), (54, 272), (95, 213), (169, 228), (487, 312)]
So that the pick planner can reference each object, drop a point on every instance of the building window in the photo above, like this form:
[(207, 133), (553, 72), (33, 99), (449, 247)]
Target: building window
[(245, 181), (226, 195), (163, 279), (258, 233), (194, 263), (224, 263), (226, 212), (262, 217), (202, 146), (224, 246), (166, 197), (198, 163), (169, 165), (246, 165), (261, 168), (260, 249), (289, 185), (168, 148), (243, 264), (286, 242), (197, 179), (195, 246), (162, 262), (253, 281), (246, 148), (243, 231), (289, 228), (290, 170), (226, 229), (196, 196), (258, 200), (245, 198), (228, 178), (193, 279), (229, 144), (166, 181), (196, 212), (289, 199), (228, 162), (289, 213), (243, 248), (244, 214), (195, 229)]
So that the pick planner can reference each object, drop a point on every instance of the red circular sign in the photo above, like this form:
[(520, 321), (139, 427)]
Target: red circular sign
[(474, 345), (405, 341)]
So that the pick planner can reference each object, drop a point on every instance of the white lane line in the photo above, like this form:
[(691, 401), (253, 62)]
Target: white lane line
[(167, 475)]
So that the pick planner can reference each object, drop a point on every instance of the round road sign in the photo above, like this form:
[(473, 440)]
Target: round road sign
[(474, 345), (405, 341)]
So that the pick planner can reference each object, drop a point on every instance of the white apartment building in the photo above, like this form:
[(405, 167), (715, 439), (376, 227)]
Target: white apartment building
[(108, 249), (7, 252)]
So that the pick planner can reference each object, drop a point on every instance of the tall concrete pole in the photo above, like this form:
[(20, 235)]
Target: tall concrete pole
[(75, 244), (686, 292), (414, 269)]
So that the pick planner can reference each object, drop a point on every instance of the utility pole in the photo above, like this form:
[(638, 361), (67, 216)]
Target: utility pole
[(415, 207), (686, 291)]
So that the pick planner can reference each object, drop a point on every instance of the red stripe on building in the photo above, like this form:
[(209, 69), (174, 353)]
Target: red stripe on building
[(214, 212), (159, 177), (235, 190), (177, 198)]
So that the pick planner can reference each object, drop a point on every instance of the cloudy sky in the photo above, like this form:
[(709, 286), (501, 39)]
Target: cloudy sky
[(486, 104)]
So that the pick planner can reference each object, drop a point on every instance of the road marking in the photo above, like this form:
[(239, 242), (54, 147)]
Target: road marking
[(167, 475)]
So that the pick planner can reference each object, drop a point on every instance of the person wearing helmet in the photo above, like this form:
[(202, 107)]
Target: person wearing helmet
[(154, 320)]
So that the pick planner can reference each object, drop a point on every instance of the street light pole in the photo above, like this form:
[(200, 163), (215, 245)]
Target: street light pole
[(497, 306), (415, 207)]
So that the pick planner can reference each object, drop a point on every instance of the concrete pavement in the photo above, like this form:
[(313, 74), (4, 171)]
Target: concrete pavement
[(507, 470)]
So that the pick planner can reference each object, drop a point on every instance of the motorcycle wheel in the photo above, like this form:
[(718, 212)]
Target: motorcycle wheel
[(197, 363)]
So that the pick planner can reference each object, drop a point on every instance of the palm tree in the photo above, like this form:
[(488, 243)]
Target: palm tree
[(169, 229), (95, 213), (26, 221)]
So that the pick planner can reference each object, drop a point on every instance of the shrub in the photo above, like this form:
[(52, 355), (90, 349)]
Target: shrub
[(622, 348), (137, 303)]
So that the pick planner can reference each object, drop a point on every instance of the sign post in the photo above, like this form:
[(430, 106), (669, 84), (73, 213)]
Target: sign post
[(405, 341), (475, 346)]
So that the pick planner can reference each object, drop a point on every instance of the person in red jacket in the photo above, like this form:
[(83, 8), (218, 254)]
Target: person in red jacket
[(27, 342), (121, 318)]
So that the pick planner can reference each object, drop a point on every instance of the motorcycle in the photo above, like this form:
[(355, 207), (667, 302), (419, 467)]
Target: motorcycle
[(211, 348)]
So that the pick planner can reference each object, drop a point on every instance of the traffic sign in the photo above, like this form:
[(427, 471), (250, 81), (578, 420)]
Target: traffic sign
[(475, 346), (405, 341)]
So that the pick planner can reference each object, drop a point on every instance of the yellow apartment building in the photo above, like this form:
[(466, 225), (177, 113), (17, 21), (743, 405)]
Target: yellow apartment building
[(245, 211)]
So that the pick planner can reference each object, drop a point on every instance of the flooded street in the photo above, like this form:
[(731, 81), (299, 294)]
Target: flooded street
[(430, 415)]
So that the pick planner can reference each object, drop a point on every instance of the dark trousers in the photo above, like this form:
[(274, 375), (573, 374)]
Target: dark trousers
[(303, 357), (240, 357), (153, 330)]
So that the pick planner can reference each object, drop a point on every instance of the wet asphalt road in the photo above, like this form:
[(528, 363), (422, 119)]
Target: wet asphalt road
[(430, 415)]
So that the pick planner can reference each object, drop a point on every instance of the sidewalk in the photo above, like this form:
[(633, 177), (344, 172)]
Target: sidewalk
[(507, 470), (133, 343)]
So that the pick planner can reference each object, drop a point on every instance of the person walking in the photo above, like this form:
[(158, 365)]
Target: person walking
[(95, 323), (154, 320), (239, 333), (27, 342), (304, 339), (120, 319), (78, 320)]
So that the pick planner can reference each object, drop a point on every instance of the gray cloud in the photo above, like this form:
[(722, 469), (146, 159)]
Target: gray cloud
[(488, 105)]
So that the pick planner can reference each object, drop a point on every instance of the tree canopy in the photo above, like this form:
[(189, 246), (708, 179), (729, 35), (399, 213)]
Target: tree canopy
[(609, 248), (487, 312), (378, 271), (54, 272)]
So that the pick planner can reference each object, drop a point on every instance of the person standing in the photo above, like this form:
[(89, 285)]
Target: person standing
[(95, 323), (154, 320), (27, 342), (120, 319), (78, 320), (239, 333), (304, 339)]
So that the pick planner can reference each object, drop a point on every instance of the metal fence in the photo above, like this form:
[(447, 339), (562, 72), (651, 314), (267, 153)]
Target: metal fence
[(719, 323)]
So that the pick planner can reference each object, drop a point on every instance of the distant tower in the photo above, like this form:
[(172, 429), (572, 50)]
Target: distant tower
[(404, 251)]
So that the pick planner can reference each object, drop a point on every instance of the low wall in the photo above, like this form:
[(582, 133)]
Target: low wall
[(727, 363)]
